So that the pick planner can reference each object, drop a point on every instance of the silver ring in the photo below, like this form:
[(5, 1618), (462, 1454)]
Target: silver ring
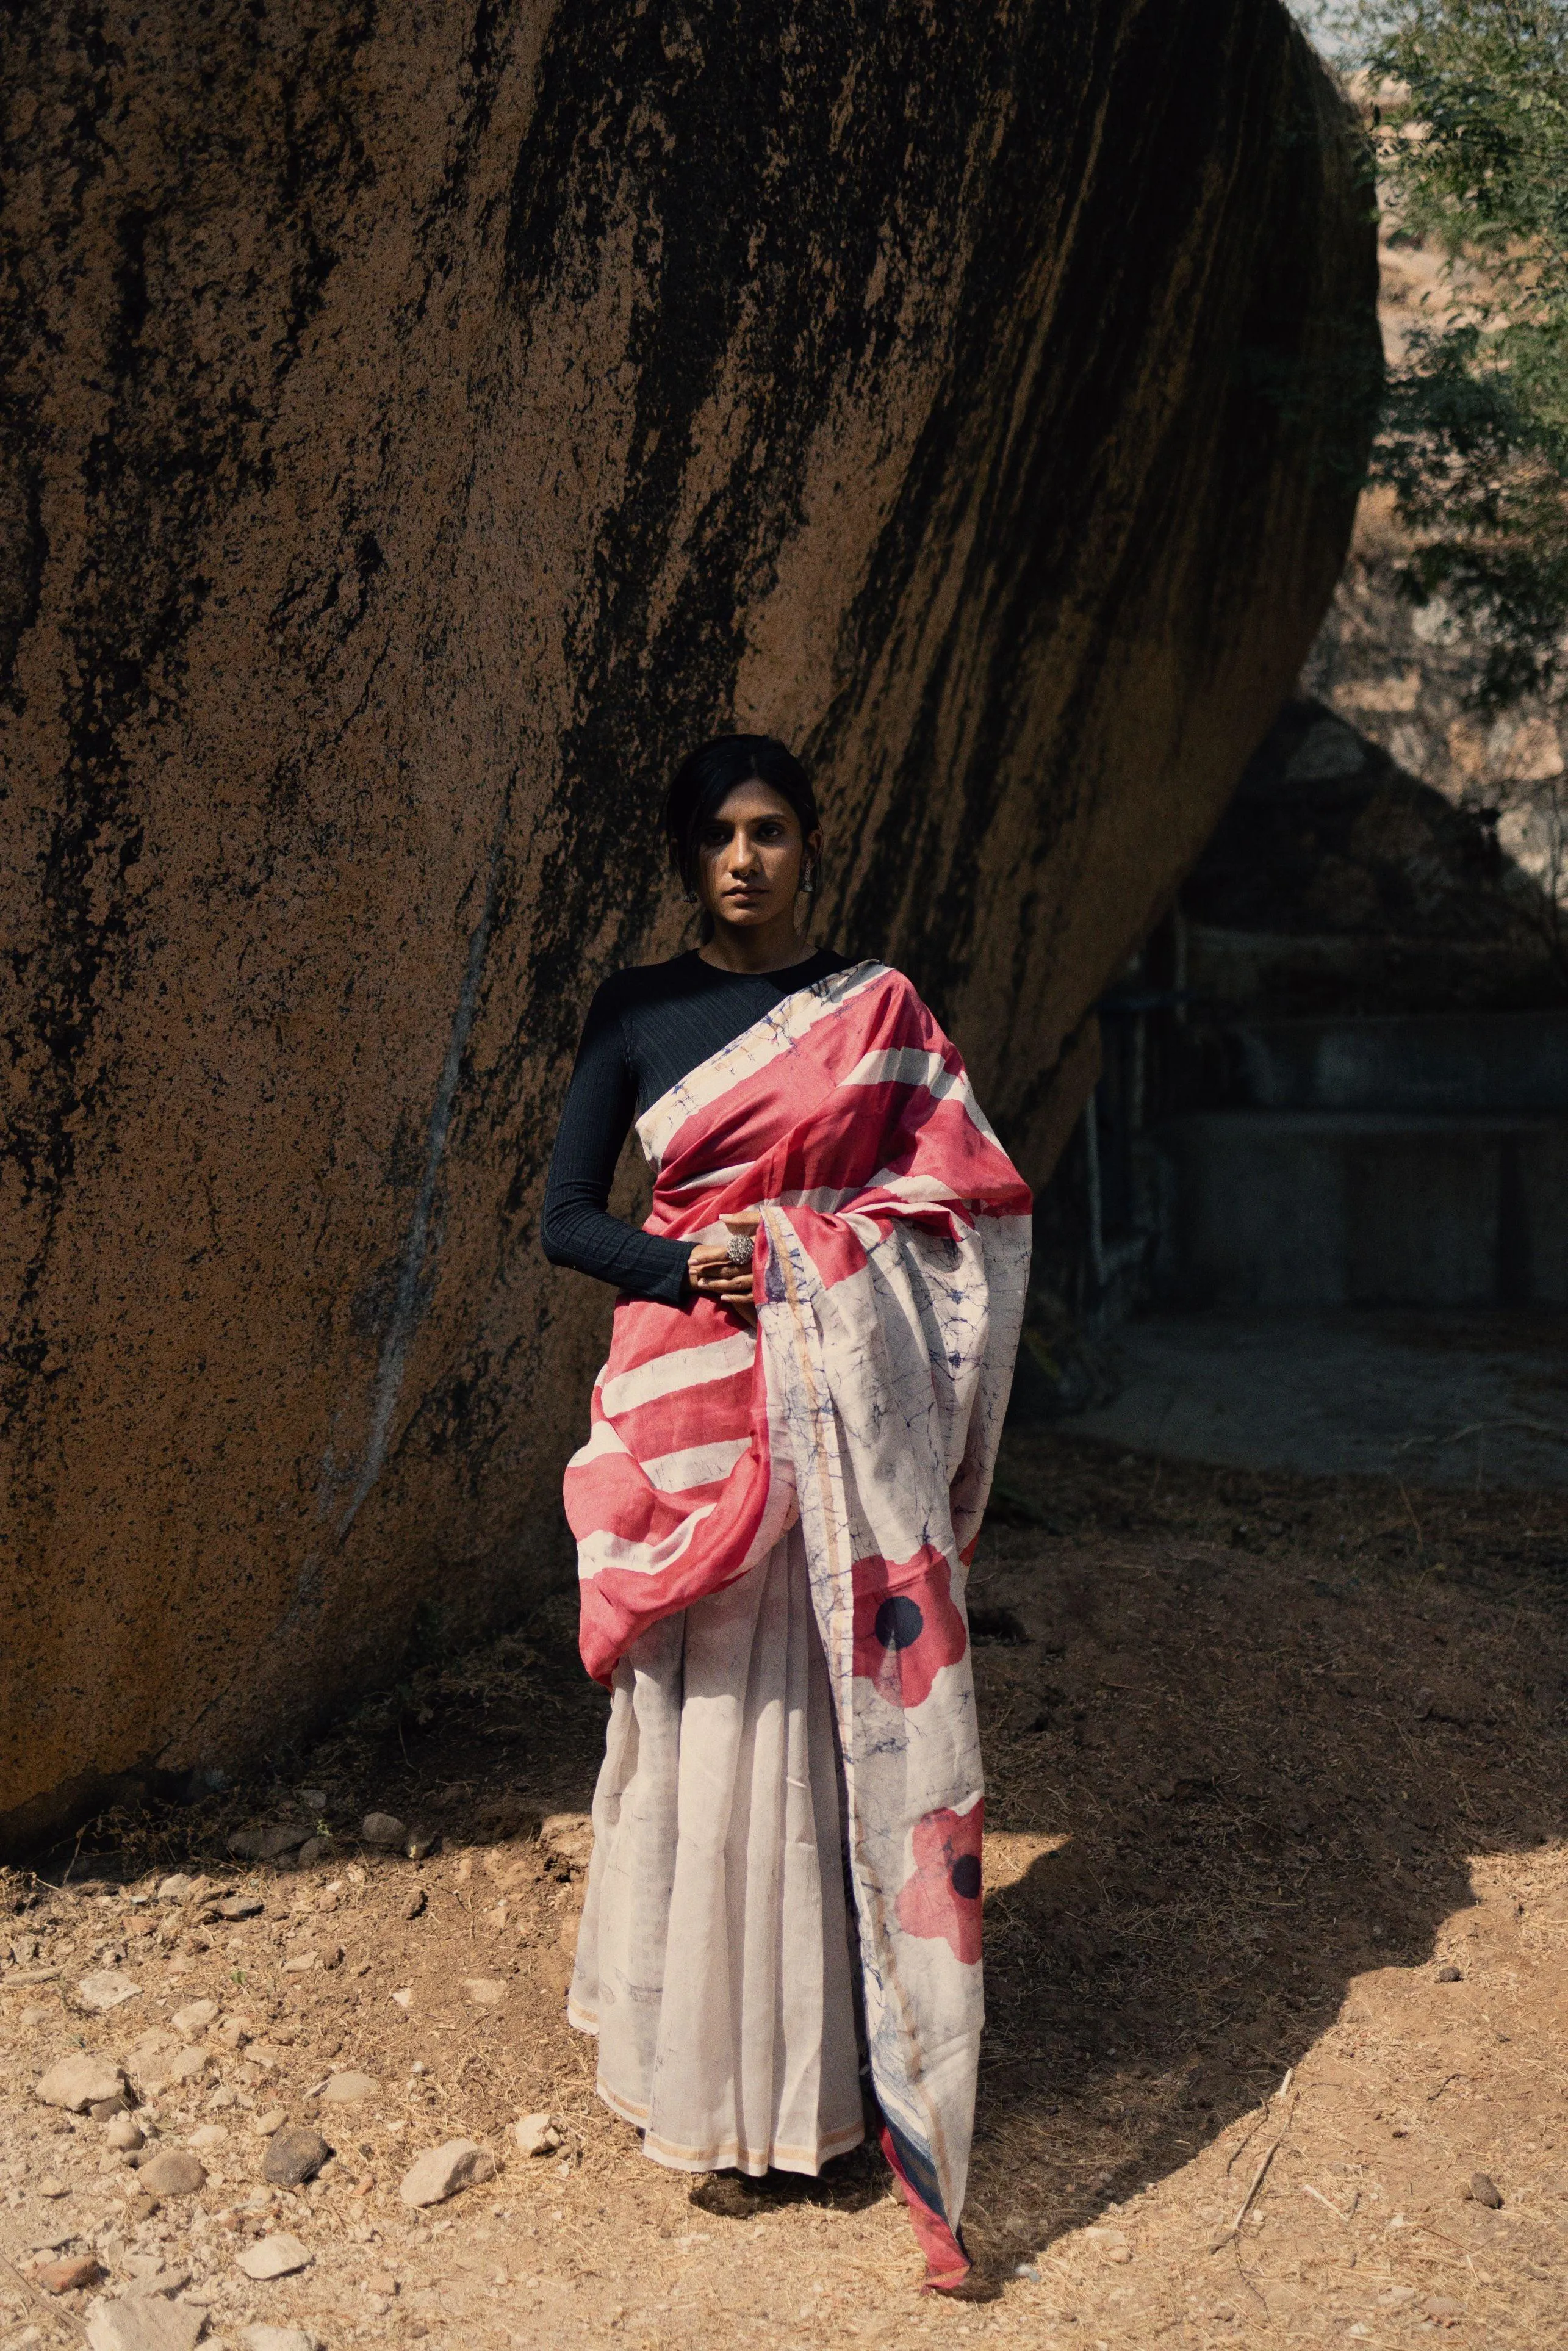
[(739, 1251)]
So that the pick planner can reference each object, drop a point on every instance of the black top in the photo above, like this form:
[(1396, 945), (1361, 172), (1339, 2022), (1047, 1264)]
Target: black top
[(645, 1029)]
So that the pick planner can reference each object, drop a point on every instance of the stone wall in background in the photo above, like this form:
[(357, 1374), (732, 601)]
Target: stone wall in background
[(419, 426)]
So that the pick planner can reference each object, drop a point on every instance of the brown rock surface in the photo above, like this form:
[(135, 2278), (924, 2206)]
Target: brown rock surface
[(420, 427)]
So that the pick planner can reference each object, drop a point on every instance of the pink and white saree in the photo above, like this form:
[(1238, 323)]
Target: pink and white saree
[(859, 1421)]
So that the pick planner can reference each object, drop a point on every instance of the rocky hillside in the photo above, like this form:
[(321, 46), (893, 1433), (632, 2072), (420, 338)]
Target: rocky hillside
[(420, 426)]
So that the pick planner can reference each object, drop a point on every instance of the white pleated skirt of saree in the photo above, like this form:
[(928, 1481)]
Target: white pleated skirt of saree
[(713, 1959)]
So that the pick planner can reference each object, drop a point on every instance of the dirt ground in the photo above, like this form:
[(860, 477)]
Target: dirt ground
[(1277, 1958)]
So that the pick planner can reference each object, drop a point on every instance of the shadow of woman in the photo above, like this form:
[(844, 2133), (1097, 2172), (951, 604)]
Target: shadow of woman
[(1221, 1789)]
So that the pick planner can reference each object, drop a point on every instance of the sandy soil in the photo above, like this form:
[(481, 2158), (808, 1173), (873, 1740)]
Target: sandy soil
[(1270, 1758)]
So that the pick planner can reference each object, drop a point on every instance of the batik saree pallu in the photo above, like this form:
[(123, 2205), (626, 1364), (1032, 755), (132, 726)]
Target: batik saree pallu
[(890, 1270)]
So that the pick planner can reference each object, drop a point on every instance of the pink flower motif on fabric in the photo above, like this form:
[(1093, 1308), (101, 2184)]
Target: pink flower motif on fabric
[(906, 1625), (942, 1896)]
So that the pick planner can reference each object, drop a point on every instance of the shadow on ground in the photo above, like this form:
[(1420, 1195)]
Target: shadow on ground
[(1254, 1731), (1243, 1733)]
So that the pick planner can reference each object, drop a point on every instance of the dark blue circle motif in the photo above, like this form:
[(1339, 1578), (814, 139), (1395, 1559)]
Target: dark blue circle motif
[(964, 1876), (899, 1623)]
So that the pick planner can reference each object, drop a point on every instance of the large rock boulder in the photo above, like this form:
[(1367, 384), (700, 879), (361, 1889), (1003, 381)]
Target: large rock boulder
[(419, 425)]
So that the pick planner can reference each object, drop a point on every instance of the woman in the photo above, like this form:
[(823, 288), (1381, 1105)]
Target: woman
[(791, 1446)]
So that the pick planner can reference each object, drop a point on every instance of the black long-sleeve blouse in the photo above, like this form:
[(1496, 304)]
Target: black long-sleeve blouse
[(645, 1029)]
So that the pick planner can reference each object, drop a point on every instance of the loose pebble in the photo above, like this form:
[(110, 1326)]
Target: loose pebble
[(51, 2187), (1485, 2190), (241, 1905), (177, 1888), (1450, 1975), (484, 1991), (194, 2017), (78, 2083), (443, 2171), (382, 1829), (293, 2156), (262, 2338), (209, 2134), (536, 2134), (124, 2133), (172, 2172), (68, 2277), (270, 2119), (350, 2089), (108, 1989), (141, 2323), (274, 2257), (420, 1843), (267, 1843)]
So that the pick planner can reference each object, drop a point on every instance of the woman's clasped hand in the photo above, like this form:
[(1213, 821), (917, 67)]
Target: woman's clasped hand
[(713, 1272)]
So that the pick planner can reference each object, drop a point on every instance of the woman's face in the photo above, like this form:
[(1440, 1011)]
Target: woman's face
[(749, 854)]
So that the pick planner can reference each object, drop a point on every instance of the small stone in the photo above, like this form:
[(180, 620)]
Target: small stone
[(415, 1906), (443, 2171), (233, 2031), (484, 1991), (79, 2082), (152, 2274), (103, 2110), (270, 2119), (194, 2017), (209, 2134), (332, 1956), (51, 2188), (160, 2070), (139, 2208), (176, 1888), (1442, 2309), (55, 2243), (294, 2156), (1485, 2190), (312, 1799), (262, 2338), (380, 2282), (349, 2089), (274, 2257), (31, 2018), (68, 2277), (124, 2133), (299, 1964), (144, 2324), (1450, 1975), (536, 2134), (266, 1843), (314, 1849), (241, 1905), (568, 1836), (107, 1990), (172, 2172), (420, 1843), (382, 1829), (1118, 2253)]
